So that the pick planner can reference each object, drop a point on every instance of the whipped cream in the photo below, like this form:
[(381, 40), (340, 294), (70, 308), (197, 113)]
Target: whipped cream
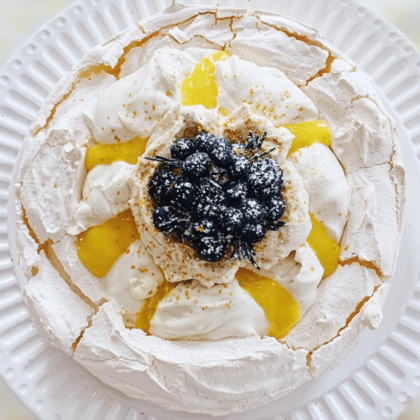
[(267, 90), (192, 312), (299, 274), (278, 245), (325, 182), (133, 278), (105, 194), (134, 105)]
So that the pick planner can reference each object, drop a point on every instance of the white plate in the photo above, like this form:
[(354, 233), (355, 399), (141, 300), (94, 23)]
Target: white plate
[(377, 380)]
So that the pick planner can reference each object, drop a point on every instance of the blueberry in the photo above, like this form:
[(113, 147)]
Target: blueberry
[(274, 208), (236, 191), (183, 193), (252, 210), (230, 220), (211, 249), (203, 227), (204, 142), (166, 219), (265, 178), (161, 184), (196, 165), (220, 175), (240, 167), (207, 206), (210, 198), (198, 229), (182, 149), (253, 232), (221, 153)]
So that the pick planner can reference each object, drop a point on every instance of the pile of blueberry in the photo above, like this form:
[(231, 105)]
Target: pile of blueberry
[(215, 195)]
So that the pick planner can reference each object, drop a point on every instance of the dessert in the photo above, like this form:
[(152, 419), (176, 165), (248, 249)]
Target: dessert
[(147, 309)]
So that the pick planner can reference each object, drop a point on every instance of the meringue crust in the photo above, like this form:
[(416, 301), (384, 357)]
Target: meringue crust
[(219, 375)]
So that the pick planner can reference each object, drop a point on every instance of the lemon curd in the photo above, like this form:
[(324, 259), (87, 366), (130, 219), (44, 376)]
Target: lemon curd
[(100, 246), (200, 87), (325, 248), (280, 308), (151, 304), (105, 154), (308, 133)]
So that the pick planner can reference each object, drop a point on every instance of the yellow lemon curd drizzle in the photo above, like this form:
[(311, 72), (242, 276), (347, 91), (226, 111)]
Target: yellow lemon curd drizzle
[(280, 308), (150, 305), (105, 154), (325, 248), (223, 111), (200, 87), (308, 133), (100, 246)]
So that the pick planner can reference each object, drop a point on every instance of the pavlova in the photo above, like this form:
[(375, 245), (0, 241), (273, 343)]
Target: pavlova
[(209, 206)]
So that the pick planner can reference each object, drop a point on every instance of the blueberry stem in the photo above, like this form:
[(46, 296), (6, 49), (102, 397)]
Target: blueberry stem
[(249, 141), (250, 252), (167, 161), (244, 250), (276, 225), (215, 184), (259, 155), (255, 142)]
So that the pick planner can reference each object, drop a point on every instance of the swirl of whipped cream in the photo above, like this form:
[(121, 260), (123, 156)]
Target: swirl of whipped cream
[(134, 105), (105, 194)]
